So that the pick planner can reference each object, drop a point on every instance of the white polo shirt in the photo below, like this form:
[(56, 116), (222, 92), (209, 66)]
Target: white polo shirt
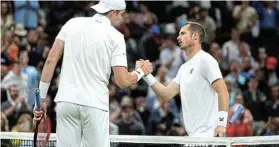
[(91, 47), (199, 101)]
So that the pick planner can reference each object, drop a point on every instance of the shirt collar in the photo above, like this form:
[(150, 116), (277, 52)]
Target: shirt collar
[(101, 19)]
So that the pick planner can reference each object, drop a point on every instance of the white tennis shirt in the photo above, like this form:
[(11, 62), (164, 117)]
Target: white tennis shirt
[(91, 47), (199, 101)]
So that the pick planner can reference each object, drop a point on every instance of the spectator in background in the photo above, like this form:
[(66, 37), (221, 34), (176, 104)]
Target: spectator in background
[(231, 47), (9, 46), (161, 115), (239, 128), (150, 42), (34, 52), (221, 61), (26, 12), (244, 50), (20, 35), (246, 68), (262, 56), (263, 87), (213, 48), (32, 76), (269, 16), (127, 124), (245, 16), (171, 56), (6, 18), (272, 127), (232, 92), (270, 71), (142, 109), (247, 115), (14, 106), (145, 17), (272, 103), (18, 78), (209, 25), (5, 63), (234, 77), (254, 100)]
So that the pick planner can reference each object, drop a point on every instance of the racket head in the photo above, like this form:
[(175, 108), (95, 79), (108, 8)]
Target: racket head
[(43, 129)]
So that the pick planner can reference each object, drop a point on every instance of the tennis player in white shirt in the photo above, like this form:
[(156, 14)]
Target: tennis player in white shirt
[(204, 96), (91, 47)]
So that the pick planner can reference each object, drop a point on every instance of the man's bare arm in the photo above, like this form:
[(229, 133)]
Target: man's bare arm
[(166, 92), (52, 59), (123, 78), (223, 95)]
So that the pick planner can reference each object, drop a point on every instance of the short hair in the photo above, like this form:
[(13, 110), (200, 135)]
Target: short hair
[(196, 27)]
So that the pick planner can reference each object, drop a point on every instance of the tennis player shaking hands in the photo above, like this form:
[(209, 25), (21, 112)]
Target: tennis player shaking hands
[(91, 47), (204, 96)]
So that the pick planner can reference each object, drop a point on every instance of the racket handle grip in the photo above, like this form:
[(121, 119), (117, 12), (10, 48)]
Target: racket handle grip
[(38, 98)]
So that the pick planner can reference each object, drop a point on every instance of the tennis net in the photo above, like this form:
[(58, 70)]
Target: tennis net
[(11, 139)]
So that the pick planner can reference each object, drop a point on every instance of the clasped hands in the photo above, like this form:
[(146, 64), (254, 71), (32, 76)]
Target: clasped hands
[(145, 65)]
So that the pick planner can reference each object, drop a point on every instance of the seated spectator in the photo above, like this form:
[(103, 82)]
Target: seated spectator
[(16, 77), (14, 106), (272, 103), (231, 47), (244, 51), (269, 16), (247, 116), (209, 25), (239, 128), (272, 127), (254, 100), (246, 70), (6, 17), (237, 80), (32, 76), (127, 124), (270, 71), (161, 115), (142, 109), (246, 16), (8, 45)]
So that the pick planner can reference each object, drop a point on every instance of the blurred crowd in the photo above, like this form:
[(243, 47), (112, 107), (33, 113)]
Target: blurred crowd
[(241, 36)]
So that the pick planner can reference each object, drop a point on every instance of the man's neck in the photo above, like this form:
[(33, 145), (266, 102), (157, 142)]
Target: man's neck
[(192, 51)]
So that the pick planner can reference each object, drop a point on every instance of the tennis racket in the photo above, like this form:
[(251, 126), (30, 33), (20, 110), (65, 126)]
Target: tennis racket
[(235, 115), (43, 126)]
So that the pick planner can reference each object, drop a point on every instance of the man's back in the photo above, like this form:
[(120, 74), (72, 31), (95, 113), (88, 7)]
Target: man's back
[(91, 47)]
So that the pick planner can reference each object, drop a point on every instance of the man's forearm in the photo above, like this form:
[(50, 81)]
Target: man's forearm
[(160, 90), (48, 71), (223, 101)]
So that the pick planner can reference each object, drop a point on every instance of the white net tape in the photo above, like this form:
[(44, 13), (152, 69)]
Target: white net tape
[(181, 140)]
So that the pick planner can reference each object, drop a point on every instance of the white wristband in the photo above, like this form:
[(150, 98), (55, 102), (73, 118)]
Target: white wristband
[(139, 72), (222, 118), (43, 89), (150, 80)]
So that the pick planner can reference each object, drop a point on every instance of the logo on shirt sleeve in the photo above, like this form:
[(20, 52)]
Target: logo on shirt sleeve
[(221, 118)]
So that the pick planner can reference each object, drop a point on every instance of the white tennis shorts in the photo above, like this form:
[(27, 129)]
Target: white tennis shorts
[(81, 126)]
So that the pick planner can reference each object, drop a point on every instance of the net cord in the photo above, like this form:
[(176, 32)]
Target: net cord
[(228, 141)]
